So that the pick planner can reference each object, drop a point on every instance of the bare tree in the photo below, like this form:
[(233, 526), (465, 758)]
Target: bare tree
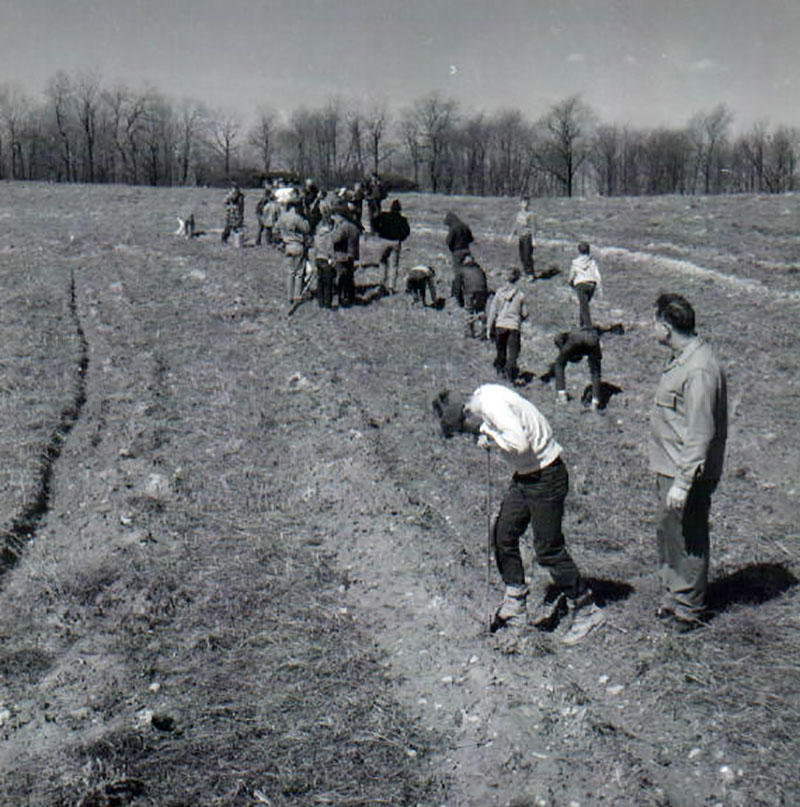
[(263, 136), (15, 108), (708, 132), (565, 143), (432, 120), (59, 90), (225, 127), (376, 122), (87, 97)]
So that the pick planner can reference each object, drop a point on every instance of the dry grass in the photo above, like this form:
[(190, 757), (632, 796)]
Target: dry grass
[(177, 634)]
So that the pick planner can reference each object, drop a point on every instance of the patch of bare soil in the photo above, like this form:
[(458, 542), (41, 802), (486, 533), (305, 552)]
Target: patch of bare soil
[(260, 575)]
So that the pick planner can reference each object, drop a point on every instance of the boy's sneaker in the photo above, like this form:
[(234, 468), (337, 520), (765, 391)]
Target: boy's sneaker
[(512, 610), (550, 611), (583, 616)]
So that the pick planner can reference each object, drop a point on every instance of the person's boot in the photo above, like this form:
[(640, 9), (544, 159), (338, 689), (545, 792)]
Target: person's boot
[(513, 609)]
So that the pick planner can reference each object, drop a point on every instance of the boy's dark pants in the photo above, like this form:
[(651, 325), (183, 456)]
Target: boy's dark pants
[(326, 280), (537, 499), (508, 343)]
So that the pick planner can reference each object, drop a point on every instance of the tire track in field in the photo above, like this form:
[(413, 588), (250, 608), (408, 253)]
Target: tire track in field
[(31, 517)]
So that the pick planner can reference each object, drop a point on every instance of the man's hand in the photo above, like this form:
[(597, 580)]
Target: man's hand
[(484, 441), (676, 498)]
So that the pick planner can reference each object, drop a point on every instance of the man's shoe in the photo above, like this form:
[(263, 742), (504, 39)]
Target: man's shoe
[(677, 624), (582, 623)]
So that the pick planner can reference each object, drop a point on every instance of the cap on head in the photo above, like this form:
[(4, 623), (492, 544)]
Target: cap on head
[(584, 248), (449, 408), (514, 274)]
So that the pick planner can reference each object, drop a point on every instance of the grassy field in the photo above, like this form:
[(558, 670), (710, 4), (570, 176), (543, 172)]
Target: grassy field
[(241, 567)]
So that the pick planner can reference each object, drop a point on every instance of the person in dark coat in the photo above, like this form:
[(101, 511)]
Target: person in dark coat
[(471, 292), (572, 347), (346, 252), (459, 238), (392, 226)]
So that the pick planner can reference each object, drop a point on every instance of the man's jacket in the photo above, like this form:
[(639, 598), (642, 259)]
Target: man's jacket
[(689, 419)]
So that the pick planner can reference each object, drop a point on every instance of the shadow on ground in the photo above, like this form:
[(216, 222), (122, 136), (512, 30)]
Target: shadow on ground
[(754, 584)]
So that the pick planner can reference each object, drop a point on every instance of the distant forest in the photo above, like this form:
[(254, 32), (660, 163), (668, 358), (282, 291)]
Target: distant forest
[(82, 131)]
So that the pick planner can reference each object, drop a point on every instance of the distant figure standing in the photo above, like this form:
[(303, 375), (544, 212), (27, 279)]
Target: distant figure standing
[(524, 225), (294, 232), (234, 212), (346, 252), (375, 192), (584, 277), (689, 428), (459, 238), (471, 292), (507, 311), (260, 207), (356, 203), (392, 226)]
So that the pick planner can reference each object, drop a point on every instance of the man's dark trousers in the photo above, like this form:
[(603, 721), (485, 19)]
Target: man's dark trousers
[(536, 499)]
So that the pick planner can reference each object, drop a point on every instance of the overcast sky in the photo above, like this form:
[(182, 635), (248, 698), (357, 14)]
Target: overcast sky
[(643, 62)]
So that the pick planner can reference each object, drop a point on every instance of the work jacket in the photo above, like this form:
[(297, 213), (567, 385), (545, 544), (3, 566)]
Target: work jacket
[(689, 419)]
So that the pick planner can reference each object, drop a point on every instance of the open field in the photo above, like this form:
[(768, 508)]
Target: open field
[(241, 567)]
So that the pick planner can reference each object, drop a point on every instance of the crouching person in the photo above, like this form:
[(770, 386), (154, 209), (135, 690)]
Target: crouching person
[(420, 279), (505, 420)]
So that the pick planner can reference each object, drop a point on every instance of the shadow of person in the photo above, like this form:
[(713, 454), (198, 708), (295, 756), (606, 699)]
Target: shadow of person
[(369, 292), (604, 591), (754, 584), (607, 392), (546, 274)]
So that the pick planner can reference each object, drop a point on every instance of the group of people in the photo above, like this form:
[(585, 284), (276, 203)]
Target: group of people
[(688, 421), (686, 449)]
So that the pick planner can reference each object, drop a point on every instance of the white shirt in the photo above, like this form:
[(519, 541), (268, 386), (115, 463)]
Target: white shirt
[(516, 426)]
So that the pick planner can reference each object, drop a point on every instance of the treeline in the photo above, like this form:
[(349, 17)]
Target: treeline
[(82, 131)]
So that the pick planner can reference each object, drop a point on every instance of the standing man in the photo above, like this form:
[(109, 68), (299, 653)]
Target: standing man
[(459, 238), (234, 212), (375, 193), (504, 419), (689, 426), (524, 224), (294, 232), (507, 311), (346, 252), (392, 226)]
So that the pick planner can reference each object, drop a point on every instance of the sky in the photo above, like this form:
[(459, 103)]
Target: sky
[(638, 62)]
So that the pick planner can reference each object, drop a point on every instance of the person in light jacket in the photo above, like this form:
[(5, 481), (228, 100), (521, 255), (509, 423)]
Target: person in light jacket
[(584, 277), (507, 311)]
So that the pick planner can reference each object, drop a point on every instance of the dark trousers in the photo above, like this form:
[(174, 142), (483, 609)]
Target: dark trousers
[(683, 548), (418, 286), (595, 368), (536, 499), (585, 292), (345, 282), (526, 254), (326, 281), (508, 345)]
